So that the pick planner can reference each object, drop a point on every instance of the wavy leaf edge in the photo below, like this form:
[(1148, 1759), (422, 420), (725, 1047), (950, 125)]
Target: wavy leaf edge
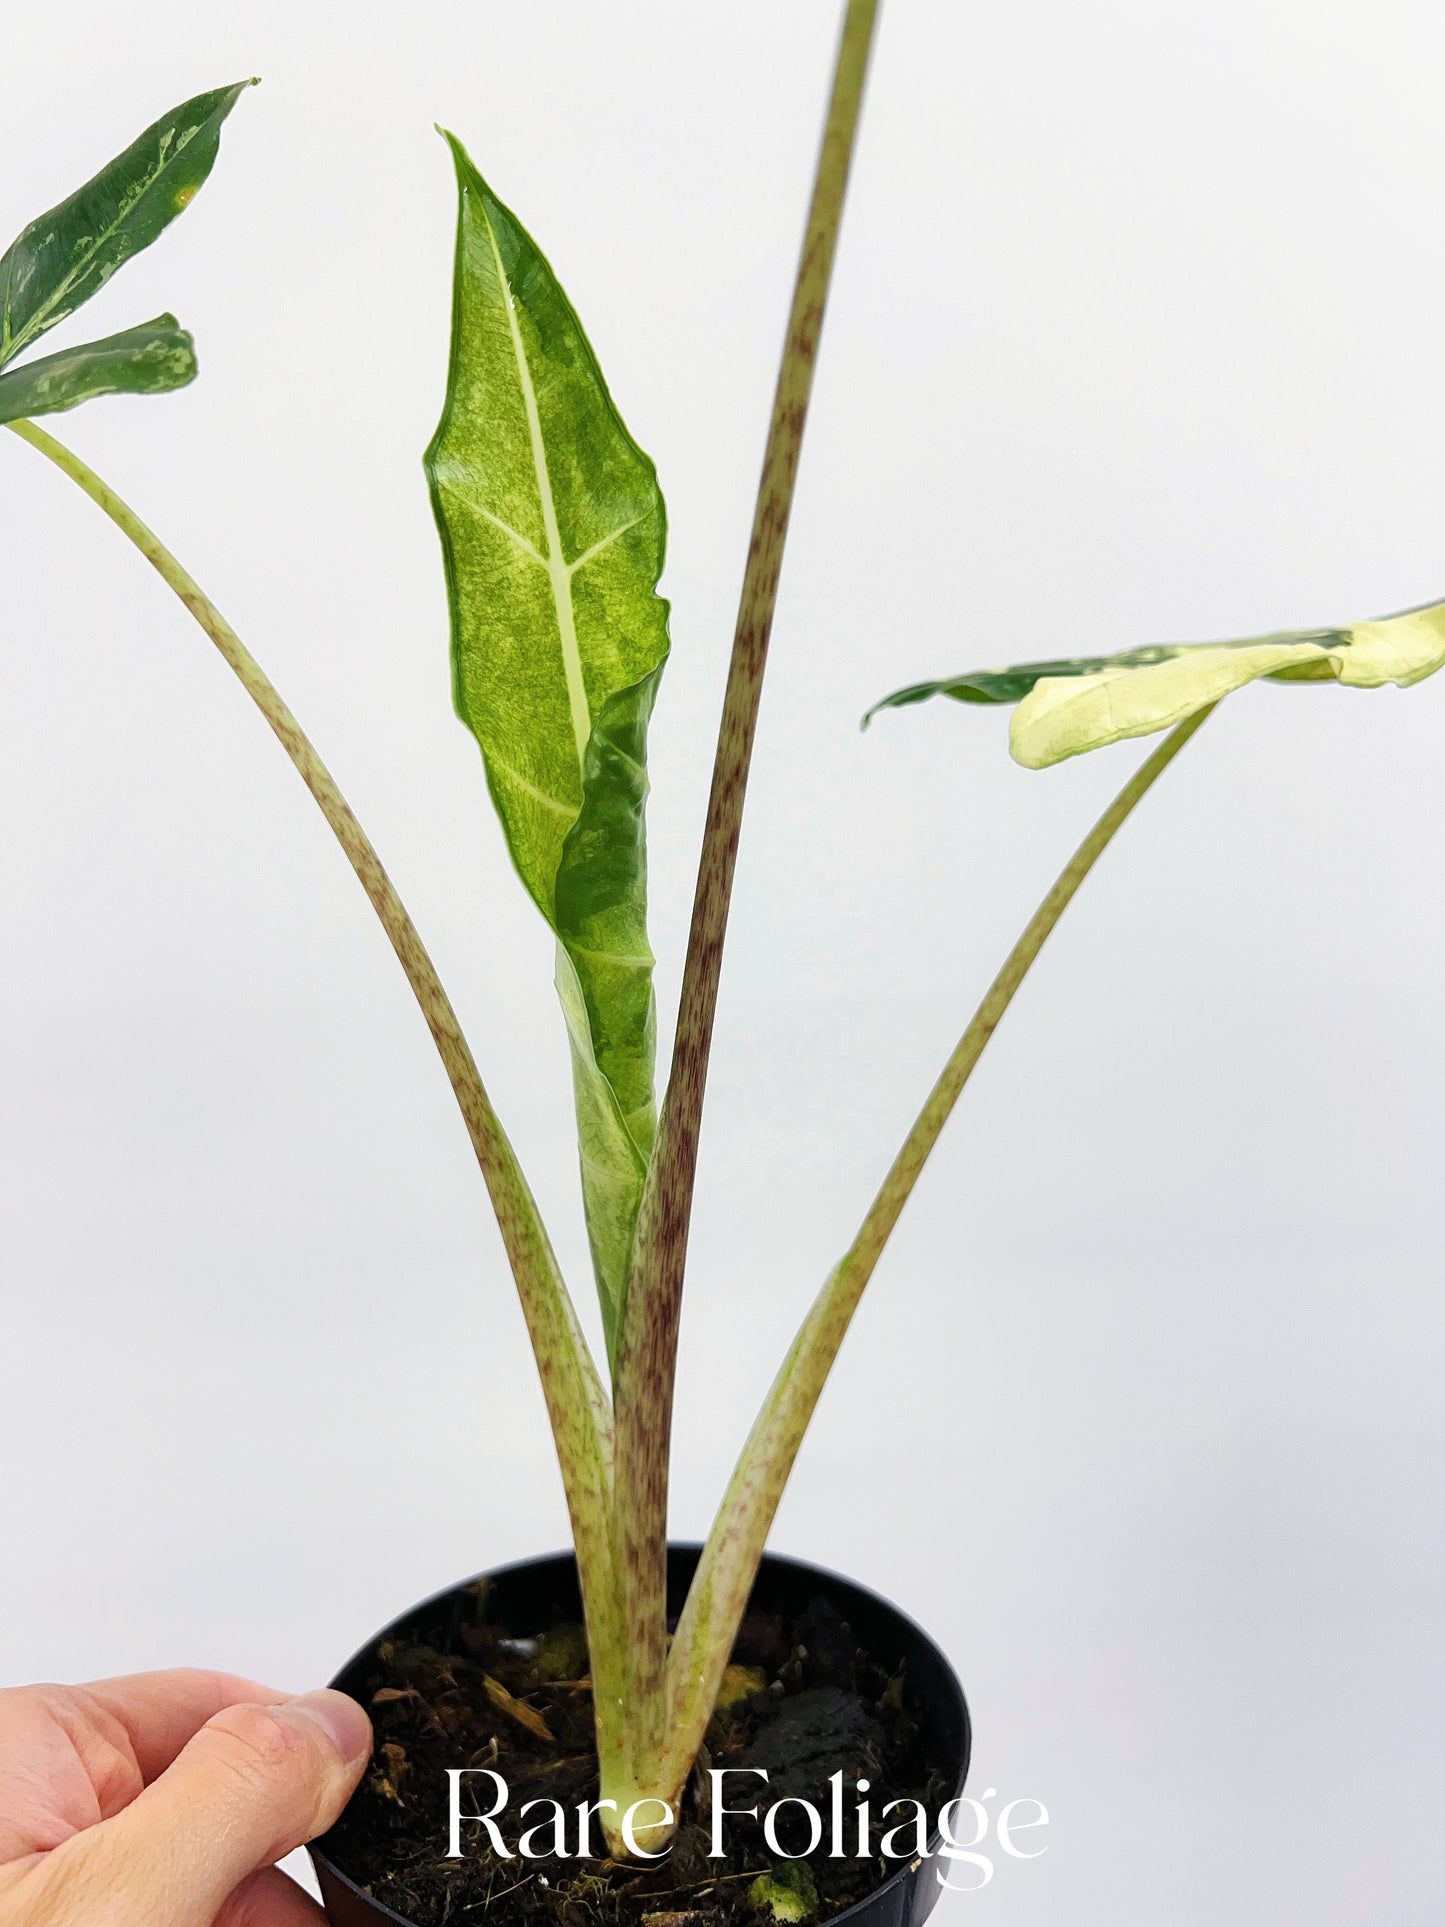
[(152, 358)]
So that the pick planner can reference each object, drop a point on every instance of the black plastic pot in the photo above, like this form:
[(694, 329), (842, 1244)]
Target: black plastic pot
[(539, 1592)]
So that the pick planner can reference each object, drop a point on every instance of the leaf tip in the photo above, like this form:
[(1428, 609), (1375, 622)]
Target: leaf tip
[(461, 159), (230, 95), (1026, 750)]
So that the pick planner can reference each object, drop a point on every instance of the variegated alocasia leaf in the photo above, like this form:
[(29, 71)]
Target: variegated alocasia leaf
[(1068, 706), (149, 360), (1062, 717), (553, 532), (1013, 684), (67, 255)]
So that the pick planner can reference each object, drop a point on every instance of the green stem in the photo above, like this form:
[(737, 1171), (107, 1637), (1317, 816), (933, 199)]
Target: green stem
[(578, 1405), (729, 1563), (647, 1360)]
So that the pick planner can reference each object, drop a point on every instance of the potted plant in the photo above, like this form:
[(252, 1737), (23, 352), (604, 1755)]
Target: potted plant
[(627, 1671)]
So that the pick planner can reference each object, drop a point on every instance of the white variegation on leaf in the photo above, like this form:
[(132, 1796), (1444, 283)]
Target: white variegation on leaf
[(1067, 705), (1401, 649), (1063, 716), (1066, 715)]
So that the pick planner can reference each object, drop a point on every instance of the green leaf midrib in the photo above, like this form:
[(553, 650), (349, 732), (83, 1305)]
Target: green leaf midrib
[(558, 574)]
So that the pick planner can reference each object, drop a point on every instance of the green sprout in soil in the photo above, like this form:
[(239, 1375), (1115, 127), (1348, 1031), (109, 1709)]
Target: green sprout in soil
[(553, 531)]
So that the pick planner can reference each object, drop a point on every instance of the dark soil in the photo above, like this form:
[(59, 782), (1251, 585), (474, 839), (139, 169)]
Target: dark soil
[(812, 1703)]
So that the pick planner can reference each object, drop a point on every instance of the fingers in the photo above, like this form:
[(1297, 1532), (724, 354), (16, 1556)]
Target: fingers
[(70, 1755), (253, 1783), (270, 1899), (160, 1711)]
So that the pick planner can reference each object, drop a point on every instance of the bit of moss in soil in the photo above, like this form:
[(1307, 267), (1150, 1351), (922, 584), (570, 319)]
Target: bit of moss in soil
[(517, 1699)]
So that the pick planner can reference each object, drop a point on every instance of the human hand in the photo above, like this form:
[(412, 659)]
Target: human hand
[(164, 1800)]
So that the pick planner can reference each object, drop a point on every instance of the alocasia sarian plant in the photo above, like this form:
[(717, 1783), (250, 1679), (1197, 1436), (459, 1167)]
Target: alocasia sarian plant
[(553, 530)]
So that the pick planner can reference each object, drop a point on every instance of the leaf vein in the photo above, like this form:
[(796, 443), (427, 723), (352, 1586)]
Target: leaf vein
[(611, 956), (556, 568), (544, 797), (521, 541), (606, 543)]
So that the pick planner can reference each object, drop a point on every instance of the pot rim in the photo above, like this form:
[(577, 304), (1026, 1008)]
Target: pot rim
[(906, 1869)]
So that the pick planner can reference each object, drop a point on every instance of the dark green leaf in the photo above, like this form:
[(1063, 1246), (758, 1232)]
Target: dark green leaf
[(553, 531), (149, 360), (67, 255)]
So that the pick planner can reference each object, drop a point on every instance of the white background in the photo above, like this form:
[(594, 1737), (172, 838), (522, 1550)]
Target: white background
[(1139, 334)]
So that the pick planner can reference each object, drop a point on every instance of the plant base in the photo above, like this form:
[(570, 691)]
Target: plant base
[(828, 1679)]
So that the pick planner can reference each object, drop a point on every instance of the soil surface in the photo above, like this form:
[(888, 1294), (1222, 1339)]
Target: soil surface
[(806, 1701)]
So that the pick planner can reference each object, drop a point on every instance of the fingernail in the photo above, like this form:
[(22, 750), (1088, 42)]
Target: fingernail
[(340, 1719)]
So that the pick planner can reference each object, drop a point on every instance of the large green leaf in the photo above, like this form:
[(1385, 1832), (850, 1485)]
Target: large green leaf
[(1071, 705), (553, 532), (67, 255), (149, 360)]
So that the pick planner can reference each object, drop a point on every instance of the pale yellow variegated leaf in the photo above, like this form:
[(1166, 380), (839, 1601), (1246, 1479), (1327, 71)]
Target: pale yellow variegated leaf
[(1067, 705), (1400, 649), (1065, 716)]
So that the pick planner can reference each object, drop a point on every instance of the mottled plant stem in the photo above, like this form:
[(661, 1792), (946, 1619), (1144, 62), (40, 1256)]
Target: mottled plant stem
[(729, 1563), (576, 1401), (647, 1361)]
